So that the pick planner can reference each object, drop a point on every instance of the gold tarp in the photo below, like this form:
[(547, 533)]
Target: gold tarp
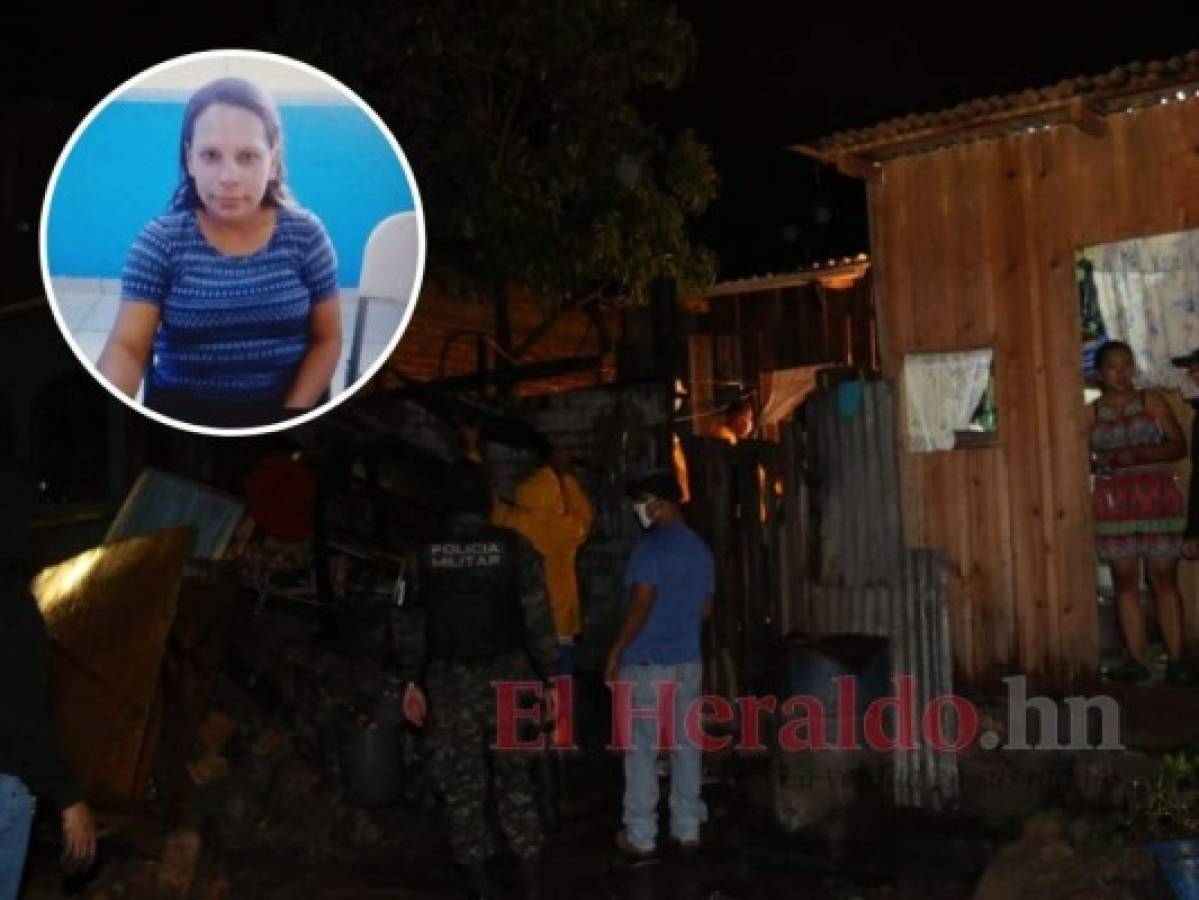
[(108, 612)]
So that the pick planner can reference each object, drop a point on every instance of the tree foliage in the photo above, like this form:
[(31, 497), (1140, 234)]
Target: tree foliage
[(534, 164)]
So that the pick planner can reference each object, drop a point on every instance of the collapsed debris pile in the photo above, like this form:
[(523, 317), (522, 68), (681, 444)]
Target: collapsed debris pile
[(270, 767)]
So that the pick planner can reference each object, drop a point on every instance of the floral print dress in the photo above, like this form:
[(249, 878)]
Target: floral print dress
[(1139, 511)]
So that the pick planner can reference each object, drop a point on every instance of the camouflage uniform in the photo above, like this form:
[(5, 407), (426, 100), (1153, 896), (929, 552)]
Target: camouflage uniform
[(463, 714)]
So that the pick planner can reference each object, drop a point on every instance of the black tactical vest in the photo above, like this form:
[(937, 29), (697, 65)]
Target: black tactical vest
[(471, 588)]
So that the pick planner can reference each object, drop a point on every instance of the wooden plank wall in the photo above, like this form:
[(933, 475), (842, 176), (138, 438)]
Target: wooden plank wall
[(759, 538), (441, 316), (747, 334), (974, 246)]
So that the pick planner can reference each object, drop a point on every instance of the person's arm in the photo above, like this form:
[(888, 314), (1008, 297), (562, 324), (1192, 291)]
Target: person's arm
[(410, 650), (126, 353), (1173, 446), (324, 348), (27, 729), (318, 272), (641, 603), (541, 640), (1192, 529), (145, 285)]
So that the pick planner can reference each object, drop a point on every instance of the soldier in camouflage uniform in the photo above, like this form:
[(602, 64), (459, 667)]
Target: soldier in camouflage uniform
[(487, 619)]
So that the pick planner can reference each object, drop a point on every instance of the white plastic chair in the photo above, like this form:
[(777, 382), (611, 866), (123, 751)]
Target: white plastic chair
[(389, 270)]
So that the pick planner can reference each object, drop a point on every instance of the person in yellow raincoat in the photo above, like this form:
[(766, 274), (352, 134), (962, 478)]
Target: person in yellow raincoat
[(552, 512)]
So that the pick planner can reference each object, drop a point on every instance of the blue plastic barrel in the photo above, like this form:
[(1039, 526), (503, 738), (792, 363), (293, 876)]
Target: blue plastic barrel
[(1179, 864), (813, 667)]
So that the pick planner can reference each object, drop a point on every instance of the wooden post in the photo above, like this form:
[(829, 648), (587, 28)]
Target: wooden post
[(702, 376)]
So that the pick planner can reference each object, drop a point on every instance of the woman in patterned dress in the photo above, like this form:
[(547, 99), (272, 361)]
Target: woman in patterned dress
[(1139, 511)]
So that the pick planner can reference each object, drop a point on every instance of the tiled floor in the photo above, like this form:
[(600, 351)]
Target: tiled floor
[(88, 307)]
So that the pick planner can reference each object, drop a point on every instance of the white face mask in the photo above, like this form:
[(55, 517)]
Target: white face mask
[(642, 510)]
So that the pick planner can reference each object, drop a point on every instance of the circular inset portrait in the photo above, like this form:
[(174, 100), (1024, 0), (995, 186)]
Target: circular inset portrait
[(232, 242)]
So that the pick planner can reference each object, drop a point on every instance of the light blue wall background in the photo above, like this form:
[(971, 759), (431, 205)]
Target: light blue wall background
[(122, 171)]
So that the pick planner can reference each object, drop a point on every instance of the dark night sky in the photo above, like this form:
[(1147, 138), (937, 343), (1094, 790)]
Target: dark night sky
[(790, 75), (768, 73)]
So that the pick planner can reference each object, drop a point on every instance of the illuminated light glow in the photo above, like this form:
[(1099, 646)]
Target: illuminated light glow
[(1182, 95)]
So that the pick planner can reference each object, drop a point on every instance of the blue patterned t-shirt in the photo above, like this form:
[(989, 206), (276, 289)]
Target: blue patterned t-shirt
[(232, 327)]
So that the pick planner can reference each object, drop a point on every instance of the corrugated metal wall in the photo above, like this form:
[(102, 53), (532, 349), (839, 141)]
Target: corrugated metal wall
[(974, 246), (869, 583), (915, 617), (808, 538), (852, 427)]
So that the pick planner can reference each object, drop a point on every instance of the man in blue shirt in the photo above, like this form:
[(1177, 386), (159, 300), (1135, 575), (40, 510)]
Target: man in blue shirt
[(669, 581)]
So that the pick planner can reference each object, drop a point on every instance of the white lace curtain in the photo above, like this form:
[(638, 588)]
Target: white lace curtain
[(943, 390), (1149, 296)]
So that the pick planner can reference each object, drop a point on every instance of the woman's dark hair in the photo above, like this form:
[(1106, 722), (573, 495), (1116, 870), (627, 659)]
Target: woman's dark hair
[(244, 95), (1108, 349)]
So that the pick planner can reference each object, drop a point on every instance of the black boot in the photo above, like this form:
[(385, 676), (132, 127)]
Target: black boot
[(530, 873), (478, 887)]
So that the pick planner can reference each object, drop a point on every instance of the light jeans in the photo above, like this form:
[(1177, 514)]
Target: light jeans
[(16, 818), (687, 810)]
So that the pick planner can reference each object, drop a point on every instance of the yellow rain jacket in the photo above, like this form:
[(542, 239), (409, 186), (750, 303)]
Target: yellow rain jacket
[(552, 512)]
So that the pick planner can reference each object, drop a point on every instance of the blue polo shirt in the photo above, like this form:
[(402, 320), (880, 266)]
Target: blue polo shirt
[(677, 563)]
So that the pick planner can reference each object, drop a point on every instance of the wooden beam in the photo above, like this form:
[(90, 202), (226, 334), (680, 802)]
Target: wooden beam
[(517, 374), (855, 268), (854, 166), (1086, 119), (702, 379)]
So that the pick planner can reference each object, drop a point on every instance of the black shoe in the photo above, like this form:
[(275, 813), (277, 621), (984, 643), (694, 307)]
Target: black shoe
[(1178, 672), (1130, 672)]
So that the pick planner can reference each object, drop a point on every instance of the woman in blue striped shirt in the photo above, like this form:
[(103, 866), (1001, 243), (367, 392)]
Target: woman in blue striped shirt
[(229, 301)]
